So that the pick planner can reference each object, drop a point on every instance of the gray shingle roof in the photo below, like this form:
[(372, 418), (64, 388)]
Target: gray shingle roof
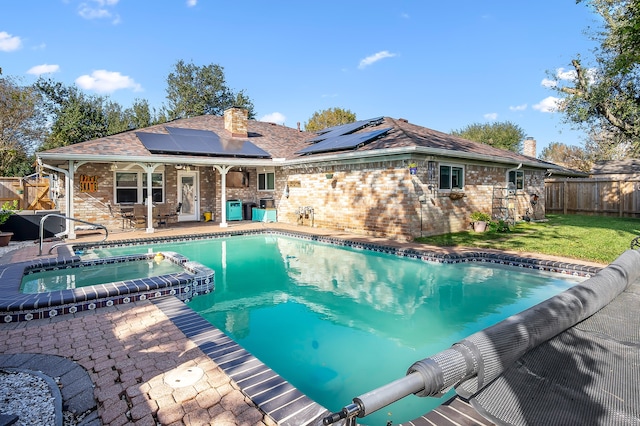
[(284, 142)]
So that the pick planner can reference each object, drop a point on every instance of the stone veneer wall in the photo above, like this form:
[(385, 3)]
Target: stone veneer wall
[(384, 199)]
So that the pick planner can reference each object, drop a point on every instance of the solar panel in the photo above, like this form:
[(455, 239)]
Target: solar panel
[(339, 143), (343, 129), (198, 142), (189, 132)]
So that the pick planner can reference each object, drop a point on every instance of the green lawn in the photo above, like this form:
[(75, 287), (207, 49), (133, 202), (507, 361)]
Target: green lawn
[(593, 238)]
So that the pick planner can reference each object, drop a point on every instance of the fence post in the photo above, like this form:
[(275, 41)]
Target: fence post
[(565, 196)]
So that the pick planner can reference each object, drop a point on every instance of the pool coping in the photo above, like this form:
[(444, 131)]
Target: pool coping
[(16, 306), (555, 266), (275, 396)]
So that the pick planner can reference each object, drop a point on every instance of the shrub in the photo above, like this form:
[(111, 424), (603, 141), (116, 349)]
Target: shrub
[(480, 217), (8, 209)]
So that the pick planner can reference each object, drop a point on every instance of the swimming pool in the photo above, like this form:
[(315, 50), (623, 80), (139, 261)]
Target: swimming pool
[(327, 317)]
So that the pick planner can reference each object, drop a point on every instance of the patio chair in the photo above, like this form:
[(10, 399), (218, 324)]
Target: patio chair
[(171, 215), (123, 211), (139, 215)]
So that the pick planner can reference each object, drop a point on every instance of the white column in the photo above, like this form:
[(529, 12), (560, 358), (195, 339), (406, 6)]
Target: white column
[(71, 229), (149, 169), (223, 194)]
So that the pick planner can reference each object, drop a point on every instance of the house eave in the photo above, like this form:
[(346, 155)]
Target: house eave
[(156, 159), (394, 152)]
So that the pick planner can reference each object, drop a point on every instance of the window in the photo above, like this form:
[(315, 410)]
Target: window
[(126, 187), (266, 181), (156, 188), (451, 177), (131, 187), (516, 177)]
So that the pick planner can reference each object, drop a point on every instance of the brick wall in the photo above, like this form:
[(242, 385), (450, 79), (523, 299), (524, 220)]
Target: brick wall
[(379, 198), (384, 199)]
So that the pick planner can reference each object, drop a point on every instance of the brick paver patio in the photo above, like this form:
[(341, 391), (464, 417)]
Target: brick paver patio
[(128, 351)]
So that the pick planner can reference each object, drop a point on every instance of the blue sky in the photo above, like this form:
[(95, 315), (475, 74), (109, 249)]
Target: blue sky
[(441, 65)]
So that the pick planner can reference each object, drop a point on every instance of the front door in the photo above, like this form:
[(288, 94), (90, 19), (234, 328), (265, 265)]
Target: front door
[(188, 195)]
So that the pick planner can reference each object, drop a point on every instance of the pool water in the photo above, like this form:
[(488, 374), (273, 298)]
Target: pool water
[(337, 322), (83, 276)]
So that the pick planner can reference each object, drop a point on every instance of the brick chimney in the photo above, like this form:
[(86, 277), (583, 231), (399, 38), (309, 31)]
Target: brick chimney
[(235, 122), (529, 147)]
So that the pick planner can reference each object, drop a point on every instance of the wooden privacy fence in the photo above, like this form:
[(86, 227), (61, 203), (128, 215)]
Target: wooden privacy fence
[(32, 193), (606, 197)]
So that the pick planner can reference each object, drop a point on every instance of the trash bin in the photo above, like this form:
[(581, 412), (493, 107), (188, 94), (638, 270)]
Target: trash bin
[(234, 210), (247, 209)]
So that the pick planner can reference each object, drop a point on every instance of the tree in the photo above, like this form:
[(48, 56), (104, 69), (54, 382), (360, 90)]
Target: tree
[(604, 98), (75, 116), (571, 157), (504, 135), (329, 118), (198, 90), (22, 127)]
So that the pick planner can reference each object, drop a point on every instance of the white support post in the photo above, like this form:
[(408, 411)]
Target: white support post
[(223, 194)]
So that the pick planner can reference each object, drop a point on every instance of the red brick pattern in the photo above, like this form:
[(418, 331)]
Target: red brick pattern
[(127, 351)]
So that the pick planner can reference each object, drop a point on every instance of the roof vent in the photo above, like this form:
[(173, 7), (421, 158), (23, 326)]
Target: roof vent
[(404, 120)]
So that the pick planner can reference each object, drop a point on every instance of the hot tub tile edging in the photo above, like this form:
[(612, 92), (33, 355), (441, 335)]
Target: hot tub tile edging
[(16, 306)]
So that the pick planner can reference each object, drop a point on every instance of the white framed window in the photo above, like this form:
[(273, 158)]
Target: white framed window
[(451, 177), (267, 180), (516, 177), (131, 187)]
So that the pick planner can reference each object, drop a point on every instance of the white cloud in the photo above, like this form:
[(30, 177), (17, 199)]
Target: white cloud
[(404, 15), (518, 107), (43, 69), (563, 74), (9, 43), (547, 82), (274, 117), (548, 104), (103, 81), (191, 3), (99, 9), (375, 58), (491, 116)]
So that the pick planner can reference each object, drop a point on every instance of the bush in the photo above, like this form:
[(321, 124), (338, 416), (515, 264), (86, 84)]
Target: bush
[(7, 210), (480, 217)]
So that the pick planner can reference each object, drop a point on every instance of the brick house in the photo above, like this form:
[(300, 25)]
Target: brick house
[(380, 177)]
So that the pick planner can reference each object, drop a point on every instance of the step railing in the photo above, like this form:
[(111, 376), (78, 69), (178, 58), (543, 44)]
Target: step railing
[(45, 217)]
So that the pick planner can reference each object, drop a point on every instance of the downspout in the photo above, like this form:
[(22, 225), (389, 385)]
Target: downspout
[(223, 194), (68, 198)]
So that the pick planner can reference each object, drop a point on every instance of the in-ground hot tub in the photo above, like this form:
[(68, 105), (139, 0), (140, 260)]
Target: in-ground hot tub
[(189, 280)]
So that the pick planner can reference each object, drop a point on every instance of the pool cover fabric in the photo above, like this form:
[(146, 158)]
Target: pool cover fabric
[(589, 374)]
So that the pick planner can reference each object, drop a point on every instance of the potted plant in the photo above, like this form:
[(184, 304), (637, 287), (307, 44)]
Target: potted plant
[(479, 221), (8, 208)]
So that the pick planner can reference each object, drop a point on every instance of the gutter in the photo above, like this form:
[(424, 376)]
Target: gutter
[(195, 161), (414, 149), (355, 155)]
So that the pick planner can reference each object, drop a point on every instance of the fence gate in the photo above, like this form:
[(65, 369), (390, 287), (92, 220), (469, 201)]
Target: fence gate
[(31, 193)]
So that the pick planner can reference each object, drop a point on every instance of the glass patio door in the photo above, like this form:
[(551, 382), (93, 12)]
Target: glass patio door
[(188, 195)]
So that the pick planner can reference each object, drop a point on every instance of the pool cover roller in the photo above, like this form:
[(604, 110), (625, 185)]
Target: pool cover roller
[(475, 361)]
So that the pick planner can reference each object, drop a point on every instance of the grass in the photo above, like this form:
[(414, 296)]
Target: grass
[(592, 238)]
